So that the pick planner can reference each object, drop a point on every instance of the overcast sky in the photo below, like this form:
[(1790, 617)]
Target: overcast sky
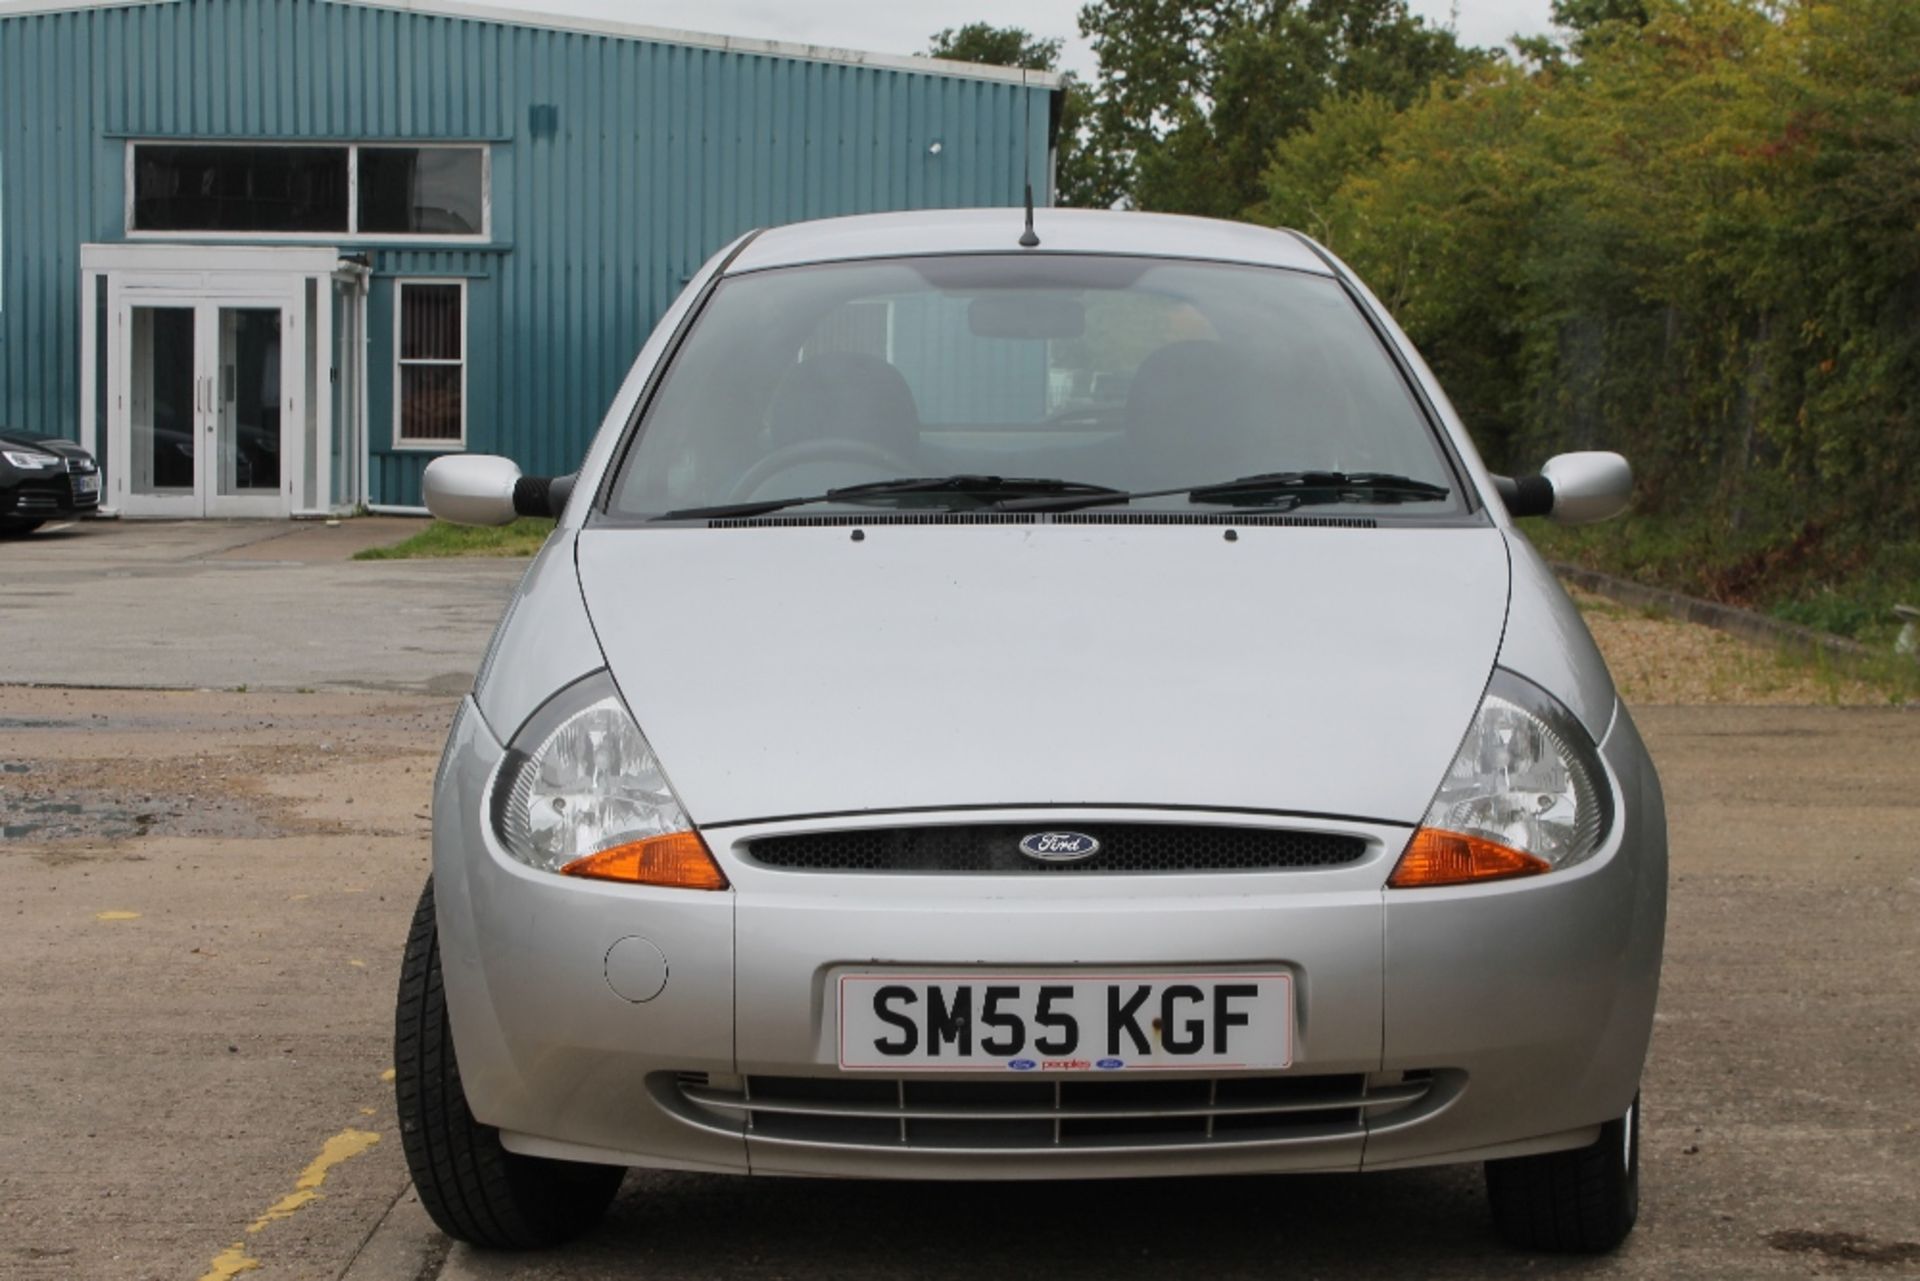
[(902, 26)]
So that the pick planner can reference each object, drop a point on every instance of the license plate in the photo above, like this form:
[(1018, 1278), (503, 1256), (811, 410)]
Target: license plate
[(1065, 1022), (86, 484)]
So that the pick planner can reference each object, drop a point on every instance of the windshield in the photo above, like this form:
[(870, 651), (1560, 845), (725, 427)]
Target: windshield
[(1132, 373)]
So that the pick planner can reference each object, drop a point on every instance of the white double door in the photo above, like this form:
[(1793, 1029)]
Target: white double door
[(208, 409)]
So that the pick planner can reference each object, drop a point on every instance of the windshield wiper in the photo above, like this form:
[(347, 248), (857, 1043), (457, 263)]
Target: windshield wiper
[(983, 491), (1320, 486), (1285, 489)]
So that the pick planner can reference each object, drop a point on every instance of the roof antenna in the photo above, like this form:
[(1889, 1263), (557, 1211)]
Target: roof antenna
[(1027, 238)]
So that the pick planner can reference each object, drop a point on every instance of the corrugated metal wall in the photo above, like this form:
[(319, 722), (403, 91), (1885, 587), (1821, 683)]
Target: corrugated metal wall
[(619, 165)]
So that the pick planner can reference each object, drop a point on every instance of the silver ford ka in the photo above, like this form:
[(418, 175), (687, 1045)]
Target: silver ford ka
[(1018, 697)]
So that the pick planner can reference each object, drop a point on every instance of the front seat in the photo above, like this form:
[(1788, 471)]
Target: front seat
[(1199, 411), (841, 395)]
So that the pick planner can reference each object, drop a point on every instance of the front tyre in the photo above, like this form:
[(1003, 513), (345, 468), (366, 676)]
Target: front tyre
[(1582, 1201), (474, 1189)]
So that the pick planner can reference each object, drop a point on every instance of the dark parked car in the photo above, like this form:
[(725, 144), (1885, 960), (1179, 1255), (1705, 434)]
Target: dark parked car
[(42, 478)]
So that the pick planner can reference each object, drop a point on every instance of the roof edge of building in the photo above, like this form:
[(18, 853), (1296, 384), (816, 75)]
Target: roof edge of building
[(583, 25)]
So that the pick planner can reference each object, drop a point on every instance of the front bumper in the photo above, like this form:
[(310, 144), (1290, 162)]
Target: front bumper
[(50, 495), (1449, 1024)]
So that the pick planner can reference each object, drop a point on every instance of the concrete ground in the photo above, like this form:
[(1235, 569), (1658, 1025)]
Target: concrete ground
[(204, 893), (260, 604)]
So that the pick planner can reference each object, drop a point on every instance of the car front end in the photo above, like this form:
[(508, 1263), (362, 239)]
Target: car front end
[(44, 479), (702, 1028), (952, 826)]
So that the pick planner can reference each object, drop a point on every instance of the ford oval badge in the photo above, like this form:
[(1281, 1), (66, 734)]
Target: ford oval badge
[(1059, 847)]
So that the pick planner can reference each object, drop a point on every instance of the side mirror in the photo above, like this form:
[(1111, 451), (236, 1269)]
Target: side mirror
[(483, 489), (1574, 489)]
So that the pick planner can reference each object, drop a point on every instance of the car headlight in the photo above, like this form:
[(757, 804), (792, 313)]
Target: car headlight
[(1526, 793), (30, 460), (581, 793)]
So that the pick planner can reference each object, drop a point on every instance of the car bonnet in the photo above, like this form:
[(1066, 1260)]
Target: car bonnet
[(798, 669)]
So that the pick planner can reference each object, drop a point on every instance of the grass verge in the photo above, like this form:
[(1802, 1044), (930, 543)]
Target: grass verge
[(1811, 575), (522, 538)]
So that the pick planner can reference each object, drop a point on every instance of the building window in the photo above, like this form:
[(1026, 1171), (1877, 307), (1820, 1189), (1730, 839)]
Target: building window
[(430, 378), (203, 188), (320, 190), (422, 191)]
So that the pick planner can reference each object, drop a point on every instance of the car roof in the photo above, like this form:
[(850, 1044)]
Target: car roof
[(1073, 231)]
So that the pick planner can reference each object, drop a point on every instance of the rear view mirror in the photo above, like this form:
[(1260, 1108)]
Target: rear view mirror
[(481, 489), (471, 489), (1026, 315), (1573, 489)]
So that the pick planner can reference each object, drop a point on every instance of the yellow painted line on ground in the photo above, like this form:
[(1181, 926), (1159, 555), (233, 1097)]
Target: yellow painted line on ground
[(116, 916), (230, 1262), (344, 1146)]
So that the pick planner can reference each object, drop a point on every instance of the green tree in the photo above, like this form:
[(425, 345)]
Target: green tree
[(1697, 241), (1192, 98), (995, 46), (1584, 15)]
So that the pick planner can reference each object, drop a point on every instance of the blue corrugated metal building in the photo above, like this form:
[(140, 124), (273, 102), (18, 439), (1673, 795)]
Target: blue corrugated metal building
[(269, 257)]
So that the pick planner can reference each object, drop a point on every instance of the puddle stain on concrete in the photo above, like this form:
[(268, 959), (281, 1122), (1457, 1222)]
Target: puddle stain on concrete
[(98, 815), (72, 819), (40, 816), (1853, 1247), (344, 1146)]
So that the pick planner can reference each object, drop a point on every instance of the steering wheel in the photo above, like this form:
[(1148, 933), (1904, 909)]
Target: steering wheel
[(833, 449)]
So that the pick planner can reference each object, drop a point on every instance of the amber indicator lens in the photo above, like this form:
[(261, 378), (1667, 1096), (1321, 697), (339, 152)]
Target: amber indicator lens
[(679, 860), (1435, 857)]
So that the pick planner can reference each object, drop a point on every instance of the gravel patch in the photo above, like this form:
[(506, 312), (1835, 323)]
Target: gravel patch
[(1658, 659)]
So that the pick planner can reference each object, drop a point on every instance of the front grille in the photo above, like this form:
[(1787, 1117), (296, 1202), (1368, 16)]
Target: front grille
[(1051, 1115), (995, 848), (49, 494), (36, 502)]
